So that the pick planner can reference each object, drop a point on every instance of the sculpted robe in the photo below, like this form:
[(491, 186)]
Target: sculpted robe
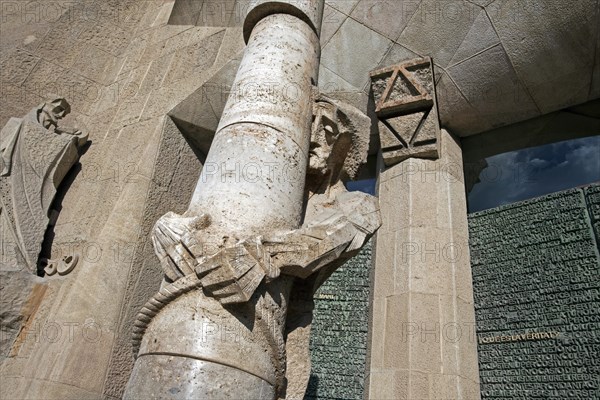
[(33, 163)]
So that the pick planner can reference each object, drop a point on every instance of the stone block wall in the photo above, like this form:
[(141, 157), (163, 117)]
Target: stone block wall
[(537, 296), (123, 68)]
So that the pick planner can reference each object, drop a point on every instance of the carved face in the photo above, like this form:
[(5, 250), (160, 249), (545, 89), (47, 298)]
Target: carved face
[(325, 134), (53, 111)]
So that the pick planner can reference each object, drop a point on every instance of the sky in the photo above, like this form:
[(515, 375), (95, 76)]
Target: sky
[(366, 186), (534, 172)]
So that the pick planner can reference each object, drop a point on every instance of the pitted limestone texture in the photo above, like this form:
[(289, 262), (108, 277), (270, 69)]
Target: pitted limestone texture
[(407, 111), (308, 11), (338, 343), (537, 296)]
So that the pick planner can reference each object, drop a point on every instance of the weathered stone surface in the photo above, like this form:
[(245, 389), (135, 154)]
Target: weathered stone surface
[(329, 83), (368, 46), (397, 55), (461, 30), (553, 81), (16, 288), (387, 17), (106, 36), (36, 156), (185, 12), (83, 358), (482, 3), (215, 13), (308, 11), (456, 113), (397, 347), (498, 98), (480, 37), (194, 58), (344, 6), (422, 255), (332, 20), (406, 105), (182, 370), (437, 28), (145, 276), (93, 70), (103, 208), (379, 382), (15, 68)]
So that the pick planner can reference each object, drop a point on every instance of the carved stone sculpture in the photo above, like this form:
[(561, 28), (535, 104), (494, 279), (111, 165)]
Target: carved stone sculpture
[(406, 107), (337, 224), (36, 155), (62, 266), (244, 260), (336, 221)]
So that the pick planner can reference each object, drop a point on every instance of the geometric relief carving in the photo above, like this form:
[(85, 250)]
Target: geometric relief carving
[(405, 104)]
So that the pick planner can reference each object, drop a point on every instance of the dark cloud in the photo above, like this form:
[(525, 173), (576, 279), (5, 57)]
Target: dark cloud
[(534, 172)]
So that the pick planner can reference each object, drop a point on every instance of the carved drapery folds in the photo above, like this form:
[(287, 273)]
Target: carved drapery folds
[(336, 221), (336, 224), (405, 101), (36, 155), (243, 261), (338, 229)]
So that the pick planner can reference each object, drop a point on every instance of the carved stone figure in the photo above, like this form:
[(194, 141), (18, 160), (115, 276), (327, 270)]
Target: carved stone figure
[(36, 155), (335, 221), (337, 224), (242, 263)]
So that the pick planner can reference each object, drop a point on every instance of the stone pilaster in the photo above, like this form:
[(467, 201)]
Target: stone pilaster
[(423, 330)]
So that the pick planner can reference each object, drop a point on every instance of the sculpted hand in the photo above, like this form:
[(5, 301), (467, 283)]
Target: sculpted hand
[(233, 274), (175, 243)]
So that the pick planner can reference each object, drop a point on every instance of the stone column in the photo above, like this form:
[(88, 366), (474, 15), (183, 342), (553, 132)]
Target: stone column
[(252, 182), (423, 330), (258, 158)]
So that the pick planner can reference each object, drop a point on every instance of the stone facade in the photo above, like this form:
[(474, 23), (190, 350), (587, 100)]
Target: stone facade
[(123, 185), (148, 82)]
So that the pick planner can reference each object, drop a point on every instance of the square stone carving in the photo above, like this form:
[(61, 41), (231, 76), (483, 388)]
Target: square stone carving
[(405, 102)]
